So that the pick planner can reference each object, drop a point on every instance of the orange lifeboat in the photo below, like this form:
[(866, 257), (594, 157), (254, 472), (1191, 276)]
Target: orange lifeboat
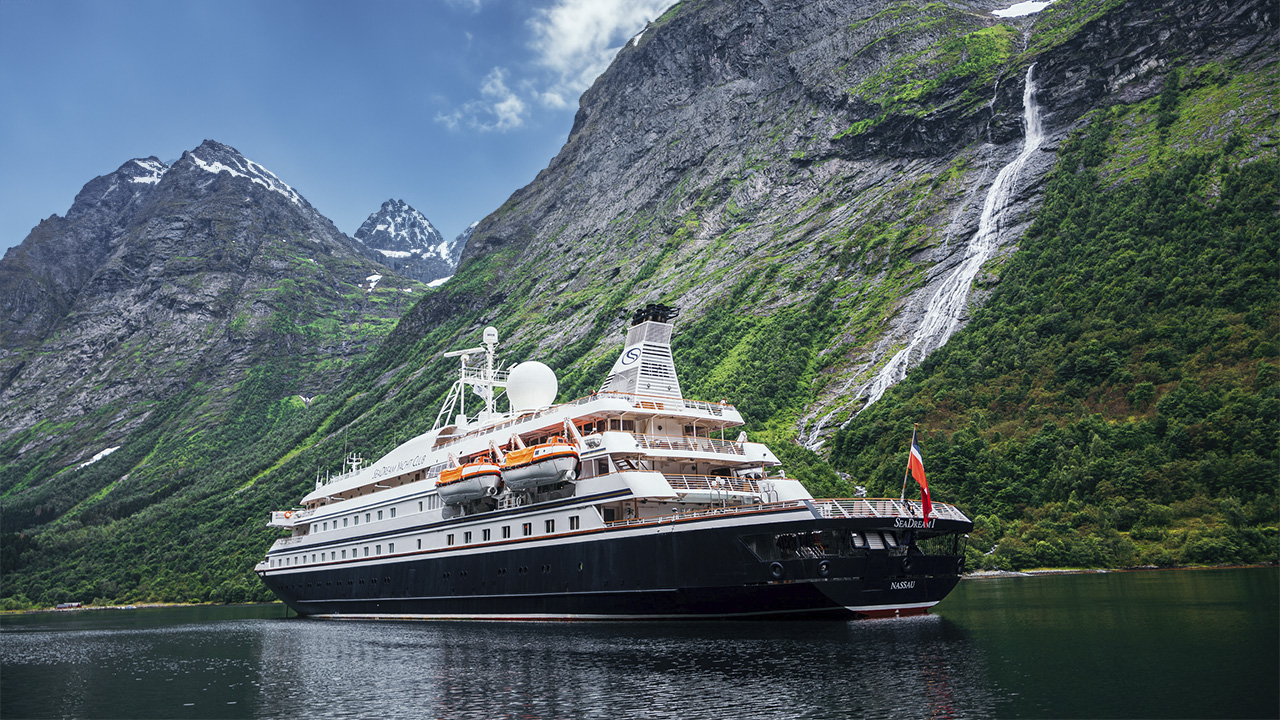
[(542, 464), (471, 481)]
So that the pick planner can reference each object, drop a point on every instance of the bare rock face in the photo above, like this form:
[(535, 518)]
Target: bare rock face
[(160, 278), (838, 144)]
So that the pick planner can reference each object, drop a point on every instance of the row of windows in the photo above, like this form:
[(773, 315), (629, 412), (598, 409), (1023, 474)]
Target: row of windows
[(306, 558), (431, 503), (526, 530)]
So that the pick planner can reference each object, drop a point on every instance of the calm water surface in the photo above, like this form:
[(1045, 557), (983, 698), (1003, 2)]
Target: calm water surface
[(1144, 644)]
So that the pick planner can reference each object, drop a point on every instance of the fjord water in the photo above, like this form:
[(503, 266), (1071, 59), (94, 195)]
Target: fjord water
[(1137, 644)]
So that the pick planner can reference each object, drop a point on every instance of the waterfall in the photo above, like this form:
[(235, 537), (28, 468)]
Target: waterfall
[(947, 306)]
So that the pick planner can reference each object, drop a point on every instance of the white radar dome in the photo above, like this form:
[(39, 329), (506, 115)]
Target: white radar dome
[(531, 386)]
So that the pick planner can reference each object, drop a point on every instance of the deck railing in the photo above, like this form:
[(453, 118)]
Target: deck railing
[(712, 483), (832, 508), (884, 507), (689, 443)]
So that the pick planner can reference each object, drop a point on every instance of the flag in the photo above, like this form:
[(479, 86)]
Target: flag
[(915, 466)]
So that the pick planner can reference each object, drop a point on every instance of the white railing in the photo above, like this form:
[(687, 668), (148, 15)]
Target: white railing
[(884, 507), (713, 483), (730, 510), (642, 402), (689, 443), (830, 508), (290, 517)]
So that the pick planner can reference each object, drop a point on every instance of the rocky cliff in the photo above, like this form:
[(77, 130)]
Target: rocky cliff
[(160, 279), (761, 154)]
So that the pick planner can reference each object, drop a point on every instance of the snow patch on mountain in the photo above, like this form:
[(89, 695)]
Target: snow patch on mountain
[(152, 170), (231, 163)]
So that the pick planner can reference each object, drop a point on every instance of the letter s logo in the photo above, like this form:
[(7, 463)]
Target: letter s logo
[(631, 356)]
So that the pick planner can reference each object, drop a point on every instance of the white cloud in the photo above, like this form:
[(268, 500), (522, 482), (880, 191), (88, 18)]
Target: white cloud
[(573, 42), (577, 39), (498, 109), (468, 5)]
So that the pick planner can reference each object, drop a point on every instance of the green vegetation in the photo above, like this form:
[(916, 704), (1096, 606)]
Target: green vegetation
[(1116, 400)]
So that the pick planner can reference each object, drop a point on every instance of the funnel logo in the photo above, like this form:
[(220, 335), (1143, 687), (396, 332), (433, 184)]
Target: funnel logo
[(631, 357)]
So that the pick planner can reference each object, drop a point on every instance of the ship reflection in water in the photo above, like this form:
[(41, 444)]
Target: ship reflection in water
[(915, 667)]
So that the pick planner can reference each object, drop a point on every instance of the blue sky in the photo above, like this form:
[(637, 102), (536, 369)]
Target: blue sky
[(450, 105)]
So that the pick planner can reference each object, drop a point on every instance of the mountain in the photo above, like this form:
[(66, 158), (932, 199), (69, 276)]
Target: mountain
[(803, 179), (162, 295), (409, 243)]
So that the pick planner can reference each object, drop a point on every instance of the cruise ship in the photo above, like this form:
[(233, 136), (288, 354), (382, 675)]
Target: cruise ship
[(631, 503)]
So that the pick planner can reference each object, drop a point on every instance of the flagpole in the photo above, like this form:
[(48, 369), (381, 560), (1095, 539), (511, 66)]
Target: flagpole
[(907, 474)]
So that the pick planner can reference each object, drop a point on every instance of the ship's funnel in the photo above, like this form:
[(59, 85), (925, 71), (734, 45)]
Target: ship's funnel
[(645, 366)]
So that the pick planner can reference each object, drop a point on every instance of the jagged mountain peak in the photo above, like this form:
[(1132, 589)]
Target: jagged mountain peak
[(215, 157), (397, 227), (409, 243)]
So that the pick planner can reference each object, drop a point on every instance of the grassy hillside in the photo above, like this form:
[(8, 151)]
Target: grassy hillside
[(1116, 401)]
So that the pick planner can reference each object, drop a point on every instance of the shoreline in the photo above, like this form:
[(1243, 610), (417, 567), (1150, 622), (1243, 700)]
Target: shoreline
[(976, 575), (1034, 572)]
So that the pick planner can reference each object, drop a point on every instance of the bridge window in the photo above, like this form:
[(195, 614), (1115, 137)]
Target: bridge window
[(506, 531), (448, 539), (573, 522), (379, 514), (551, 526), (393, 512), (527, 529), (485, 534), (391, 548), (466, 537)]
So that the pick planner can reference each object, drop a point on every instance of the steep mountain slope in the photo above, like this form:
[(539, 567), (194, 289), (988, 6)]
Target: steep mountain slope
[(799, 177), (166, 282), (409, 243)]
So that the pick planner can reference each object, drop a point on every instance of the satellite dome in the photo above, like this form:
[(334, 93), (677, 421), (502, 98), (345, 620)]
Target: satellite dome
[(531, 386)]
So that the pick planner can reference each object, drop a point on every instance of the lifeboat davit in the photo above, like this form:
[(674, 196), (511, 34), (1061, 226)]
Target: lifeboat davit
[(472, 481), (543, 464)]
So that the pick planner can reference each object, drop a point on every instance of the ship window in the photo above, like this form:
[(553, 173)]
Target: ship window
[(628, 425), (355, 519), (333, 555), (391, 547), (602, 466), (325, 526), (610, 514), (344, 522), (377, 549), (551, 526), (506, 531), (466, 537), (615, 424), (573, 522), (366, 551), (393, 512), (419, 543), (527, 529), (448, 539), (379, 514), (344, 554), (485, 534), (366, 517), (313, 557), (419, 506)]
